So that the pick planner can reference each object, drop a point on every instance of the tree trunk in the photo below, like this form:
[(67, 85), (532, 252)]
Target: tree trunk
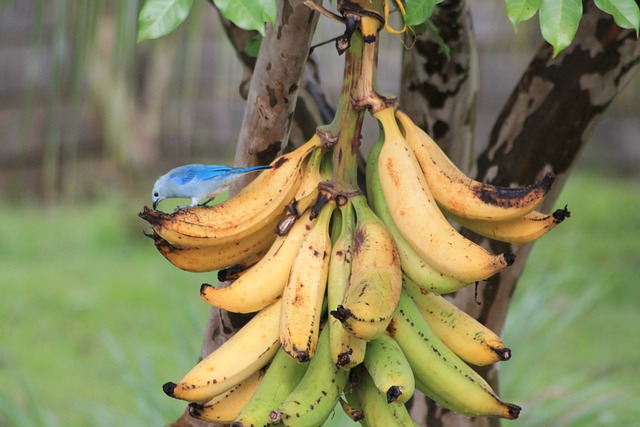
[(543, 127)]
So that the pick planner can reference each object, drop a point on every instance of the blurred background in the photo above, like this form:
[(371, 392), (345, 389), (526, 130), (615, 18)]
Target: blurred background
[(94, 321)]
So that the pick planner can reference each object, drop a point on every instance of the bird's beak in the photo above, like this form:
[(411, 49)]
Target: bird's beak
[(155, 204)]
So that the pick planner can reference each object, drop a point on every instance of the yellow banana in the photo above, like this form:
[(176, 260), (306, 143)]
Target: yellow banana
[(462, 195), (282, 377), (472, 341), (210, 258), (418, 217), (315, 398), (264, 282), (226, 407), (389, 369), (248, 351), (346, 350), (242, 215), (308, 190), (420, 271), (450, 380), (304, 291), (376, 277), (377, 411), (521, 230)]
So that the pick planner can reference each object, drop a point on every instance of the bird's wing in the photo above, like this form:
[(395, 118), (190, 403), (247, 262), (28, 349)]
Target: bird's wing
[(185, 174)]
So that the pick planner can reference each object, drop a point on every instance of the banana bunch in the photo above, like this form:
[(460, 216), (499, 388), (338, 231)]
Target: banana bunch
[(346, 289)]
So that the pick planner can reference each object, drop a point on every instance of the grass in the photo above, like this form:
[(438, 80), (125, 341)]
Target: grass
[(95, 321), (573, 322)]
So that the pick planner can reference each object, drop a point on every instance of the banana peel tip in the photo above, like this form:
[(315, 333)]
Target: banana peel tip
[(169, 388)]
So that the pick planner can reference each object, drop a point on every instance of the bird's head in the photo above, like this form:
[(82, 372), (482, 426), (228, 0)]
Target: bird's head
[(157, 194)]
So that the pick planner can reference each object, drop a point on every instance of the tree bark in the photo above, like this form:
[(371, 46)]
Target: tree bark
[(543, 127), (439, 93), (271, 101)]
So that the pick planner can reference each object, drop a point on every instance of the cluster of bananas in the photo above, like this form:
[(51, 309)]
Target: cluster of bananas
[(347, 288)]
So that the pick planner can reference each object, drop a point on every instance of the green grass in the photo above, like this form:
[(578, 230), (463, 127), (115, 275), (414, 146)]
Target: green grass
[(573, 325), (94, 321)]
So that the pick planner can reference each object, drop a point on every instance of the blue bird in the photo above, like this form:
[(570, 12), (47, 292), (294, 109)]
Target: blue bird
[(197, 182)]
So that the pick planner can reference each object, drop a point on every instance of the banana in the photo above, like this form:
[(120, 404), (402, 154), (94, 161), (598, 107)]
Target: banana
[(451, 382), (315, 397), (462, 195), (282, 377), (304, 291), (521, 230), (389, 369), (346, 350), (264, 282), (472, 341), (246, 352), (418, 217), (376, 277), (377, 411), (234, 271), (350, 411), (413, 265), (352, 398), (308, 190), (225, 407), (242, 215), (210, 258)]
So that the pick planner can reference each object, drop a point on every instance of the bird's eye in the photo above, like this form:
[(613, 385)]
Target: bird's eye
[(155, 194)]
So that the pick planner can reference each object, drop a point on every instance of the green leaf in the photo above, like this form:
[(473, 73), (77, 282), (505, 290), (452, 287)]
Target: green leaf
[(559, 21), (253, 46), (626, 13), (248, 14), (521, 10), (418, 11), (159, 17)]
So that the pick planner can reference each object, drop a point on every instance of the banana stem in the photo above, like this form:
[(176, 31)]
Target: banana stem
[(347, 125), (366, 95)]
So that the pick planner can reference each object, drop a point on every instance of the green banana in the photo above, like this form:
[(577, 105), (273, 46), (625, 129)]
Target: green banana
[(452, 382), (317, 394), (282, 377), (377, 411), (389, 368)]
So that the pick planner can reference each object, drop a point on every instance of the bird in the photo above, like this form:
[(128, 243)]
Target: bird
[(197, 182)]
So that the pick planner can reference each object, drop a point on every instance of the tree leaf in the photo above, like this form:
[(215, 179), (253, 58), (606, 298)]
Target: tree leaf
[(253, 46), (248, 14), (159, 17), (626, 13), (418, 11), (559, 21), (521, 10)]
